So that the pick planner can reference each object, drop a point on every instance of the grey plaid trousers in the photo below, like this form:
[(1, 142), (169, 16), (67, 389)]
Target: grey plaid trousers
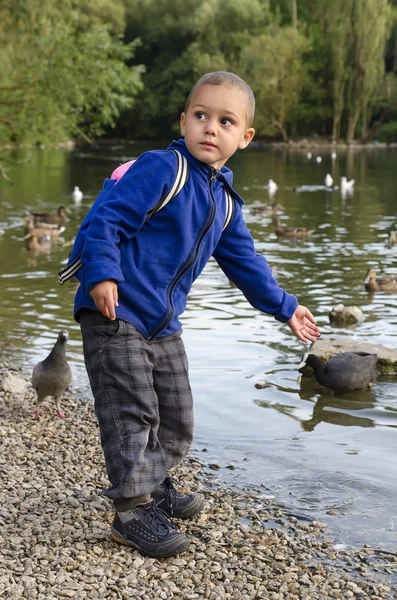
[(143, 402)]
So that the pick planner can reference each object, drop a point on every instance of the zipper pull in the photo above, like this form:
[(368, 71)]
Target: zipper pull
[(214, 174)]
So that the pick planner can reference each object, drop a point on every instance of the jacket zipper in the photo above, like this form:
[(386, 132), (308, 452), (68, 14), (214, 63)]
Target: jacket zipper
[(167, 319)]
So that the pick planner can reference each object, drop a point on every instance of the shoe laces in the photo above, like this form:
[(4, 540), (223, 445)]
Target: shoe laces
[(159, 522), (171, 492)]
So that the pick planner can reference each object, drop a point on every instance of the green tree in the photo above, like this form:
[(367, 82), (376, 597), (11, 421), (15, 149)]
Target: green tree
[(370, 24), (338, 19), (357, 31), (385, 105), (180, 42), (58, 80), (273, 63), (94, 13)]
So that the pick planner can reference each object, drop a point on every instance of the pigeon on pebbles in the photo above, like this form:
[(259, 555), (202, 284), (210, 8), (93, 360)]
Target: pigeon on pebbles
[(53, 375)]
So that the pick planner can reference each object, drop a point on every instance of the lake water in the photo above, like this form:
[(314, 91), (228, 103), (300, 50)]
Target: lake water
[(320, 454)]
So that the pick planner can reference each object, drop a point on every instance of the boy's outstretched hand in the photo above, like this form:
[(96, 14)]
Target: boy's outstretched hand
[(105, 297), (303, 324)]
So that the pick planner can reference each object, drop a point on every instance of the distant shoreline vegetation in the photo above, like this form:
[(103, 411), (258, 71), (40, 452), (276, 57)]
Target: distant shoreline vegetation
[(258, 143)]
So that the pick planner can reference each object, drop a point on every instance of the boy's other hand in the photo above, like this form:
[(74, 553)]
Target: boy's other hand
[(105, 296), (303, 324)]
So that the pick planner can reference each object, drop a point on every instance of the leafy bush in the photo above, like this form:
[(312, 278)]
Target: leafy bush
[(388, 132)]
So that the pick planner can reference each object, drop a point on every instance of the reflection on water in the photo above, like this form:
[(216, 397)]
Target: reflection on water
[(365, 409), (338, 409), (317, 451)]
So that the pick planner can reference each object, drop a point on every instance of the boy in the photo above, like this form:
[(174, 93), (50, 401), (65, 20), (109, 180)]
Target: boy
[(134, 282)]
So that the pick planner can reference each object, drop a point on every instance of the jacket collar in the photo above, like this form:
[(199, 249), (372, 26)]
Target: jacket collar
[(225, 175)]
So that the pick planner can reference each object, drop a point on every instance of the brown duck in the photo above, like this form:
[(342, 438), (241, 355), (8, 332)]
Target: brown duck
[(392, 238), (59, 217), (267, 209), (37, 244), (292, 232), (374, 283), (43, 229)]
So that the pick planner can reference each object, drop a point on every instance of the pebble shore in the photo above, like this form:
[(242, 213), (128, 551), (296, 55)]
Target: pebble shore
[(55, 540)]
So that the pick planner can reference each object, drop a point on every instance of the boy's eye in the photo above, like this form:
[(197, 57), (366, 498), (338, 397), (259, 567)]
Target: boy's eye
[(226, 121), (200, 116)]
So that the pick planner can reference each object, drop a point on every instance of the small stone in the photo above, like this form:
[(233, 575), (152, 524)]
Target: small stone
[(261, 385)]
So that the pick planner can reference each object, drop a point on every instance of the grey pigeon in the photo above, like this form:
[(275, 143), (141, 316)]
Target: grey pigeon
[(52, 376)]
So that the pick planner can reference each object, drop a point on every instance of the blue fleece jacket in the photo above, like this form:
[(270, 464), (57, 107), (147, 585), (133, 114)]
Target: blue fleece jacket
[(155, 263)]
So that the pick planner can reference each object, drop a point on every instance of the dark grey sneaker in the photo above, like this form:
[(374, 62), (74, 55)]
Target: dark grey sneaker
[(176, 504), (150, 531)]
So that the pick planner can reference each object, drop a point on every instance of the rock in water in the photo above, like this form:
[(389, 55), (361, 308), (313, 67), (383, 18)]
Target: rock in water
[(53, 375), (342, 315)]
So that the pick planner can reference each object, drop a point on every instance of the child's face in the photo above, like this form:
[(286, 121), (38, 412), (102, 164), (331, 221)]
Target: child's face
[(214, 125)]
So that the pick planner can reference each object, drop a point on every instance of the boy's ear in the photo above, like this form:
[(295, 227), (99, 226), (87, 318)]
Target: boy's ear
[(182, 122), (247, 137)]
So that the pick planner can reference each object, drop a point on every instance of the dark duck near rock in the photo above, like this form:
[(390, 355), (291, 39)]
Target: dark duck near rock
[(345, 372), (53, 375)]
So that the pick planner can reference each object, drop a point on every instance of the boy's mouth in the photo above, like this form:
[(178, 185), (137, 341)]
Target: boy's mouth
[(207, 144)]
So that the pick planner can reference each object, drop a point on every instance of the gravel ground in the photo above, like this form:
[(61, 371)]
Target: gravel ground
[(55, 540)]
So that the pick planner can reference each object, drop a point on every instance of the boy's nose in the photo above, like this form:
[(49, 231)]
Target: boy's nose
[(211, 127)]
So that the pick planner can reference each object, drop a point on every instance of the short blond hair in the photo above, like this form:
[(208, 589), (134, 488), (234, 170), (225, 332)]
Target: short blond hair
[(229, 80)]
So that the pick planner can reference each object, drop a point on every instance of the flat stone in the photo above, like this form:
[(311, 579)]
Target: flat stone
[(327, 347), (14, 384)]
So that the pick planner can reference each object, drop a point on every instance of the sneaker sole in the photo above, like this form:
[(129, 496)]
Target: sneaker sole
[(167, 552)]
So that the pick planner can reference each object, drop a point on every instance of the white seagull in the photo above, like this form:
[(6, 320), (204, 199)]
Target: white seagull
[(272, 187), (318, 159), (77, 194), (328, 181), (333, 155), (308, 155), (346, 186)]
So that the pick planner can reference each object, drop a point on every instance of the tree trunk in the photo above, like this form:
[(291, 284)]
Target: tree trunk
[(395, 53), (335, 128), (294, 129), (282, 130), (364, 121), (374, 131), (294, 14), (336, 121), (351, 125)]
